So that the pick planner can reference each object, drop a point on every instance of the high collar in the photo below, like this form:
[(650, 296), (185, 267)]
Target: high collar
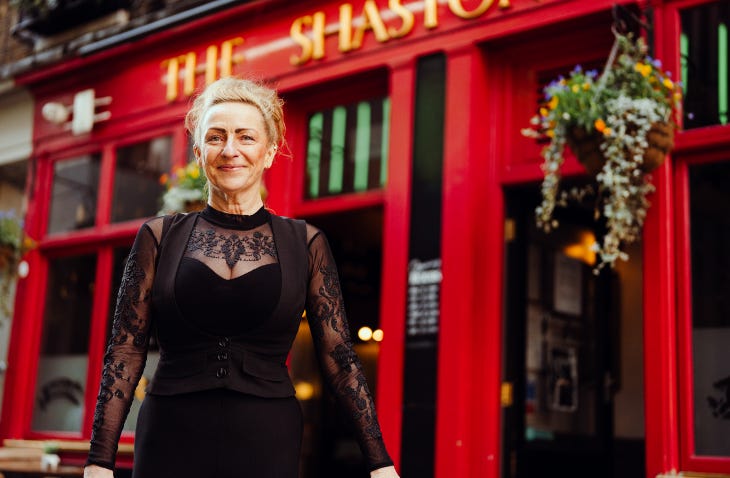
[(236, 221)]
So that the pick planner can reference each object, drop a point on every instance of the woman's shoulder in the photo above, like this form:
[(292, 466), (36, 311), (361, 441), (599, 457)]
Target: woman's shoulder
[(313, 232)]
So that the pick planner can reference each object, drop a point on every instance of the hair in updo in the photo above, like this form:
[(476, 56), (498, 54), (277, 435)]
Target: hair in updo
[(241, 91)]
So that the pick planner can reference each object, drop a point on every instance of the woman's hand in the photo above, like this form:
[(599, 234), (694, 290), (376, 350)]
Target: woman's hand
[(94, 471), (387, 472)]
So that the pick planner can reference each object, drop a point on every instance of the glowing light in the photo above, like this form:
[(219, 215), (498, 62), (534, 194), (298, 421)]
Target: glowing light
[(304, 390), (365, 333), (378, 335), (583, 250)]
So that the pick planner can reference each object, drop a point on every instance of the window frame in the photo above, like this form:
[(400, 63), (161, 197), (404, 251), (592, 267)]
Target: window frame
[(299, 105), (100, 239), (700, 145)]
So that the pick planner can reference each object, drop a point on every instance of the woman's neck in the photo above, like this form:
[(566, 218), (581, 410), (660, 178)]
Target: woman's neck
[(235, 204)]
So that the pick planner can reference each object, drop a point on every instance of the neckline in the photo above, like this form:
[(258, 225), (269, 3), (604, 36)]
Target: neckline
[(240, 222)]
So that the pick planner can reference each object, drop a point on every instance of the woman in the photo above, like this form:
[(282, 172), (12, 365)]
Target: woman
[(226, 288)]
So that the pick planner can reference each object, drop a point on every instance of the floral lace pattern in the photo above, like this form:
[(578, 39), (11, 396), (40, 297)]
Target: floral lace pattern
[(341, 365), (231, 247), (125, 357)]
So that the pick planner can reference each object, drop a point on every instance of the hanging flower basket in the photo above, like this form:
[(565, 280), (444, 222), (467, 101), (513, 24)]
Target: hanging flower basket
[(619, 124), (587, 147)]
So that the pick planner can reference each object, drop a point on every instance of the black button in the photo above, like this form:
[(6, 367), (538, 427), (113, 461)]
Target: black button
[(223, 342), (222, 372), (222, 356)]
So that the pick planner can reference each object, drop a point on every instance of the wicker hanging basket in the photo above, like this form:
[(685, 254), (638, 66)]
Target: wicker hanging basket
[(587, 147)]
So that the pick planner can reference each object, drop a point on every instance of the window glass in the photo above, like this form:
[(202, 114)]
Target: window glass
[(710, 235), (74, 193), (62, 367), (347, 149), (704, 53), (137, 188)]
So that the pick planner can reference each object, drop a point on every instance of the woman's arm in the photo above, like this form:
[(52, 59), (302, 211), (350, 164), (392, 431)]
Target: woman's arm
[(126, 354), (339, 362)]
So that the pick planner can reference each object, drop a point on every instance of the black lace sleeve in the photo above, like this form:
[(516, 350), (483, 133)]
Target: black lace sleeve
[(126, 354), (340, 364)]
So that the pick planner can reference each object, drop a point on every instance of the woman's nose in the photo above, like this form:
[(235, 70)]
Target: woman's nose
[(228, 149)]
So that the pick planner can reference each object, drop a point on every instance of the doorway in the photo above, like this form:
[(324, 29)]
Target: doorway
[(572, 349), (330, 448)]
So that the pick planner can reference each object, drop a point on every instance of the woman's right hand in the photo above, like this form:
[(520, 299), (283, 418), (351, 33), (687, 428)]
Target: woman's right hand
[(94, 471)]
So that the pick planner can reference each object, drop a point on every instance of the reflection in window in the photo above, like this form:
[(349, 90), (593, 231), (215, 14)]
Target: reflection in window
[(704, 49), (137, 188), (61, 379), (710, 236), (74, 194), (347, 149)]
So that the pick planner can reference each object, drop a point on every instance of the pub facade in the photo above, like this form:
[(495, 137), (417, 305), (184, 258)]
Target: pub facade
[(404, 145)]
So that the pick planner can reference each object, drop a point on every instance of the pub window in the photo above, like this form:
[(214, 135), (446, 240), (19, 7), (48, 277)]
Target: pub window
[(61, 375), (704, 55), (347, 148), (137, 187), (74, 193), (710, 330)]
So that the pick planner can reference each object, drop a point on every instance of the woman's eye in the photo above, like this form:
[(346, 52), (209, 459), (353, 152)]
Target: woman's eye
[(214, 139), (246, 137)]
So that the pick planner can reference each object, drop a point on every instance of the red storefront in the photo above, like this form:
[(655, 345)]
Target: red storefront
[(404, 122)]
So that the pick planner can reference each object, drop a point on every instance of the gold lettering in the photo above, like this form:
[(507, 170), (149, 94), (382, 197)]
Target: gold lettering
[(173, 69), (458, 9), (211, 64), (189, 77), (345, 27), (430, 14), (371, 21), (301, 39), (406, 17), (319, 25), (227, 55)]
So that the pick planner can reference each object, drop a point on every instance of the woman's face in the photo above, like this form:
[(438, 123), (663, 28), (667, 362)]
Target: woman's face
[(235, 148)]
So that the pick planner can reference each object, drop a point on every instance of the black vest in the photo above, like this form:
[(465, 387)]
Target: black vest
[(254, 363)]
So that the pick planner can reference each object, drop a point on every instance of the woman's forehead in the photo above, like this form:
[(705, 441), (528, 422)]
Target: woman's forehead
[(237, 114)]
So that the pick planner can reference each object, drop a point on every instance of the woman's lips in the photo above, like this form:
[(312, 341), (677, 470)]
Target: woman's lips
[(230, 167)]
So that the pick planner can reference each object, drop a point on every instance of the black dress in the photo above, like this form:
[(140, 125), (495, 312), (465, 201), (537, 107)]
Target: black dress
[(228, 283)]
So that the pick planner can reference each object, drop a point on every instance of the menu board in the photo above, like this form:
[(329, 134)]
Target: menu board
[(424, 291)]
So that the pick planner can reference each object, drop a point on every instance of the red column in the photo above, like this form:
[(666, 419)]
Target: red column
[(396, 216), (469, 371)]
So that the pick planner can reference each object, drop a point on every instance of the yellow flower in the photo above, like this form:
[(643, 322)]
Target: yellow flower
[(194, 172), (643, 68), (586, 86), (607, 132), (543, 112), (575, 88), (600, 125), (553, 103), (668, 83), (550, 133)]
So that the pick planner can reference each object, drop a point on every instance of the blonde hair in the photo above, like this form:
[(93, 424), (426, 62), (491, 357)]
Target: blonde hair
[(239, 90)]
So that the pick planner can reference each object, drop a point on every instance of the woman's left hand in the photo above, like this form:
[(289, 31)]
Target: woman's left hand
[(387, 472)]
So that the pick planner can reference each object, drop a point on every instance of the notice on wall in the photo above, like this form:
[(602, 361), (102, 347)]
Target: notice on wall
[(424, 291), (568, 285)]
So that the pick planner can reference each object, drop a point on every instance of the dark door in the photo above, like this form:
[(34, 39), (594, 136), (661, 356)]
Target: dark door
[(558, 346)]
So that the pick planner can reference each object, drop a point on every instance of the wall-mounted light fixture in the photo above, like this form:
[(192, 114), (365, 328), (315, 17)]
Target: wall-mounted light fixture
[(82, 112)]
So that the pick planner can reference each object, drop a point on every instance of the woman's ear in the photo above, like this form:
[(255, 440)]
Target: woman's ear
[(270, 155), (198, 156)]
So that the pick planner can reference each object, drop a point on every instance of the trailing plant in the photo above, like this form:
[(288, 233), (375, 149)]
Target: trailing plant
[(620, 126)]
